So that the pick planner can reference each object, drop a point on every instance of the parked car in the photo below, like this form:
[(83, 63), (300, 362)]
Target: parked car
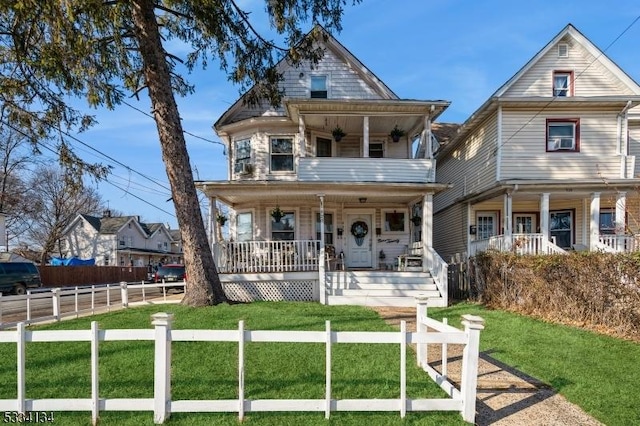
[(170, 273), (17, 277)]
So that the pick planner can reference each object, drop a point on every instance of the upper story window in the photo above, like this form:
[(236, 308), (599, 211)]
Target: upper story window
[(563, 135), (376, 150), (242, 149), (323, 147), (562, 83), (281, 154), (319, 86)]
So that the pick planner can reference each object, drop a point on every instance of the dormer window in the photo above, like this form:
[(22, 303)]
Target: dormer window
[(319, 86), (563, 135), (562, 83)]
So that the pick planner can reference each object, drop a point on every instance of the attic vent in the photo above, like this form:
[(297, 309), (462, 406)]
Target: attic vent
[(563, 50)]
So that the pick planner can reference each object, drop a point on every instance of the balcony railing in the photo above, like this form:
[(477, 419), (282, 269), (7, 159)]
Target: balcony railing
[(267, 256), (397, 170), (517, 243)]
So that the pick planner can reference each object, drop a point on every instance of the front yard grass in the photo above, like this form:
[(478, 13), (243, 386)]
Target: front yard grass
[(599, 373), (208, 370)]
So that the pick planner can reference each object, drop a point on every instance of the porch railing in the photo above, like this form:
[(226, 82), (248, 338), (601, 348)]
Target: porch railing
[(534, 244), (266, 256), (620, 243)]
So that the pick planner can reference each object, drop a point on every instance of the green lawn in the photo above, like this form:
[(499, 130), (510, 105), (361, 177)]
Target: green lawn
[(208, 370), (601, 374)]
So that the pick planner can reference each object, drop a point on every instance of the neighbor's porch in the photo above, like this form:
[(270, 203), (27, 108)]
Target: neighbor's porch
[(527, 222)]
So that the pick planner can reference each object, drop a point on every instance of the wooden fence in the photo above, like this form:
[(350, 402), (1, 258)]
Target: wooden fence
[(462, 400), (63, 276)]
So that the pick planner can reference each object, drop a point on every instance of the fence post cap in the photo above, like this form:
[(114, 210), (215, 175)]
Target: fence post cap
[(55, 290), (161, 318), (123, 284), (473, 321), (422, 298)]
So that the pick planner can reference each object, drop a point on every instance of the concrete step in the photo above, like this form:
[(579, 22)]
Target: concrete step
[(362, 300), (348, 278), (393, 286), (412, 293)]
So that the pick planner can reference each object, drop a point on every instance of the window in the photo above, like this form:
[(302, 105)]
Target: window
[(486, 225), (563, 50), (607, 221), (323, 147), (284, 230), (319, 86), (394, 221), (376, 150), (122, 243), (281, 154), (328, 228), (243, 155), (562, 83), (561, 227), (563, 135), (244, 226)]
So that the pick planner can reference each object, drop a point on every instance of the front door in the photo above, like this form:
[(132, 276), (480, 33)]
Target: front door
[(359, 241)]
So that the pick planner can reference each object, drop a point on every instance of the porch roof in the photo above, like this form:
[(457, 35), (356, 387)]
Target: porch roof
[(568, 188), (237, 192)]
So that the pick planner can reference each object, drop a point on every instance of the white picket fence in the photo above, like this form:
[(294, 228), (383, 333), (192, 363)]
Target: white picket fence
[(58, 303), (462, 400)]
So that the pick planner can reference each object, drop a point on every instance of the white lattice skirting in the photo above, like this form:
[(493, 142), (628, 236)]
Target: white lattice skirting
[(291, 290)]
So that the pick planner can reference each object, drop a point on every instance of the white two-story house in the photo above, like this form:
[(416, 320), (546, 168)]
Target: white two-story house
[(324, 177), (548, 162), (120, 241)]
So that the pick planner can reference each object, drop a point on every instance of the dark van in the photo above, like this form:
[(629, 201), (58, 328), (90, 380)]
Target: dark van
[(17, 277)]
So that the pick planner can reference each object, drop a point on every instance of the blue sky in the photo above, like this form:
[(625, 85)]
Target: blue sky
[(456, 50)]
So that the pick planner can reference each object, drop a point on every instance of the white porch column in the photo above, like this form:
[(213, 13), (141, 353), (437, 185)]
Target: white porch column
[(544, 216), (213, 223), (322, 285), (508, 214), (428, 152), (303, 141), (594, 224), (365, 137), (621, 210), (427, 231)]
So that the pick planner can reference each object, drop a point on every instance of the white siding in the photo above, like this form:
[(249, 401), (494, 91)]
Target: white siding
[(450, 231), (634, 145), (343, 82), (591, 77), (524, 153), (471, 167)]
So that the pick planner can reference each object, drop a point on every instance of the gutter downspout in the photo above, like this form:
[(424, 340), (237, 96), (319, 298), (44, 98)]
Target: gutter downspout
[(623, 146)]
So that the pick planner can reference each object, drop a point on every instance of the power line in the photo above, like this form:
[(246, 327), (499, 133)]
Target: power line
[(522, 127)]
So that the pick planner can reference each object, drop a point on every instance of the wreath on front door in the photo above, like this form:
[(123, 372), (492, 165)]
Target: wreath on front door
[(359, 230)]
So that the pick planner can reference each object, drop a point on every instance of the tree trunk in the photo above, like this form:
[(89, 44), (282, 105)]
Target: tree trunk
[(203, 284)]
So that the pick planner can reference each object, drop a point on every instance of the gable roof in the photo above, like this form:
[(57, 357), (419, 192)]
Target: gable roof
[(491, 104), (341, 52), (571, 31)]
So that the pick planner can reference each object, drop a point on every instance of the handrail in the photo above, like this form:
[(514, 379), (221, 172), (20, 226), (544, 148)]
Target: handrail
[(439, 272)]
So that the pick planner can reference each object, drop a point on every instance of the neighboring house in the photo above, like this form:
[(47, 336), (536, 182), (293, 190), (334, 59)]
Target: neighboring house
[(548, 162), (322, 177), (120, 241)]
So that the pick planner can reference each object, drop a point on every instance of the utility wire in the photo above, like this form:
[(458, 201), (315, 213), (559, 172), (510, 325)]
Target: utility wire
[(602, 52)]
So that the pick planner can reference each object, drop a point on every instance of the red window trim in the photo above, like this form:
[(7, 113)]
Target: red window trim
[(576, 121), (553, 78)]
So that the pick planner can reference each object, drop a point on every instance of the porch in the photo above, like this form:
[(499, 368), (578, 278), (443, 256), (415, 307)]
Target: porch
[(537, 244), (304, 270)]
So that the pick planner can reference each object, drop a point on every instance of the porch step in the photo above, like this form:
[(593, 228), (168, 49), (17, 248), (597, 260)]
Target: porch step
[(370, 300), (381, 288)]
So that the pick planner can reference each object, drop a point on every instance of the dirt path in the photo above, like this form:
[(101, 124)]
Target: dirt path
[(505, 395)]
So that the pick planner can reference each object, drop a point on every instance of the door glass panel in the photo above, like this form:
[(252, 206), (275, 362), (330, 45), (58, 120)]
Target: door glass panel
[(485, 225), (561, 228)]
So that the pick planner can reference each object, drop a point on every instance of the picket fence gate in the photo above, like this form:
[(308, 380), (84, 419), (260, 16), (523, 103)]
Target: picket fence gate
[(462, 400)]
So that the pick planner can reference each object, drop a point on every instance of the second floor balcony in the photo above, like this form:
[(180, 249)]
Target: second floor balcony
[(315, 169)]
